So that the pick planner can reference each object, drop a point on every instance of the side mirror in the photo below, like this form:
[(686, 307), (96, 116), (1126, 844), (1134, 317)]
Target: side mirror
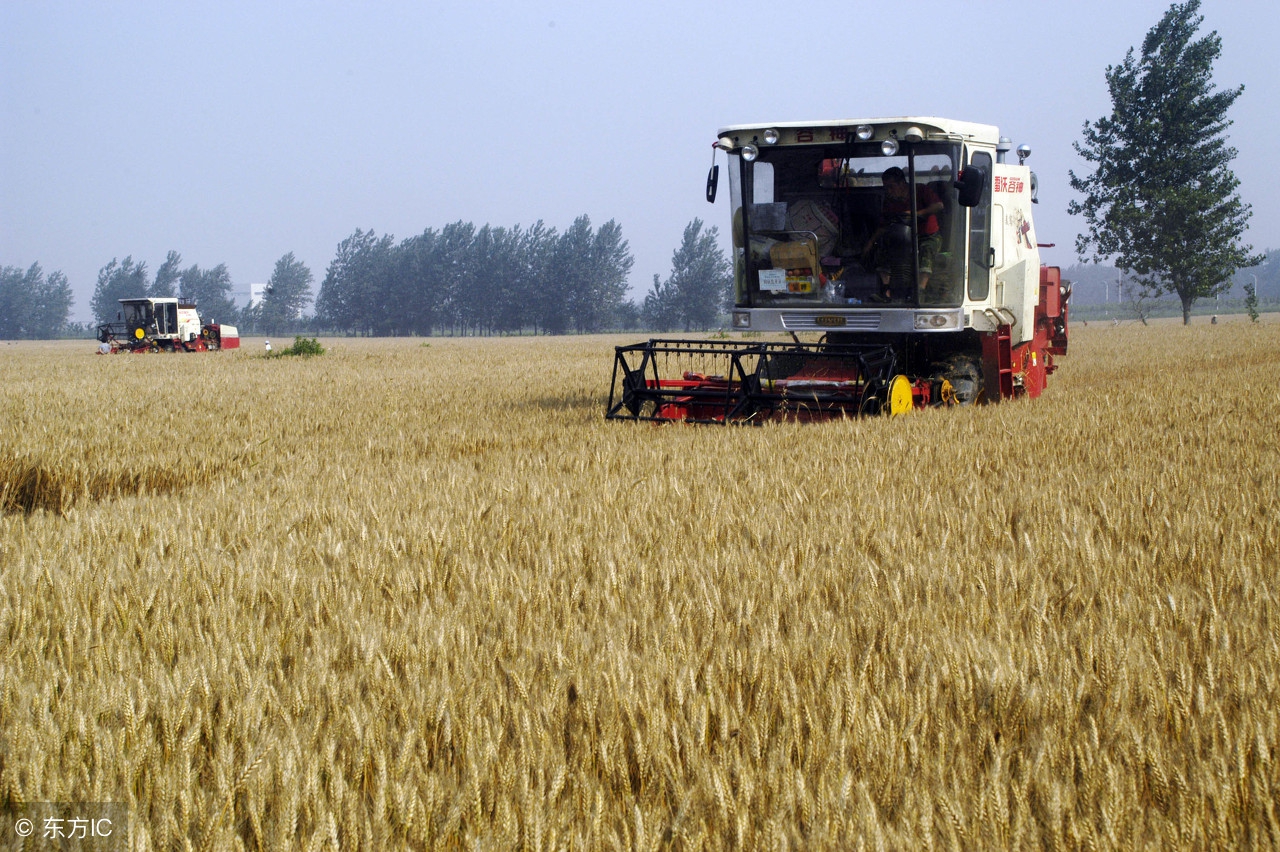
[(971, 183), (713, 180)]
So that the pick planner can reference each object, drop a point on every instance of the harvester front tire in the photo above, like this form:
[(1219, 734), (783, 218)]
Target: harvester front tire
[(964, 372)]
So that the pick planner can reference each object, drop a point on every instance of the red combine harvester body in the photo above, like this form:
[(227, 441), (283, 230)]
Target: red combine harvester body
[(163, 325), (907, 243)]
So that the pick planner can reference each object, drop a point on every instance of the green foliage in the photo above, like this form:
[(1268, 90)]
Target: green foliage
[(700, 285), (117, 280), (304, 346), (288, 292), (1251, 301), (168, 277), (465, 280), (210, 289), (1161, 201), (31, 304)]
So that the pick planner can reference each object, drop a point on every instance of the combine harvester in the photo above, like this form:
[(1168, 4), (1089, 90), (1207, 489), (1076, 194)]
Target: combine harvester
[(163, 325), (907, 242)]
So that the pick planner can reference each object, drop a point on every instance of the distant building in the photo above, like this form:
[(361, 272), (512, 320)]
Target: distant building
[(249, 294)]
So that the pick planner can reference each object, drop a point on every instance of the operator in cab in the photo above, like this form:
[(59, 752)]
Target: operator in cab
[(891, 252)]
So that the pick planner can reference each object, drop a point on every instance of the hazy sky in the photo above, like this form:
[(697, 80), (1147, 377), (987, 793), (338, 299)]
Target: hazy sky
[(236, 132)]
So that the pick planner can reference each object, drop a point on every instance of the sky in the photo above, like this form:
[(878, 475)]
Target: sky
[(236, 132)]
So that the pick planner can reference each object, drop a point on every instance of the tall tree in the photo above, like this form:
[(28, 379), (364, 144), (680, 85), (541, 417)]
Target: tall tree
[(354, 296), (53, 305), (210, 289), (33, 306), (1161, 201), (168, 277), (418, 271), (288, 292), (117, 280), (16, 303), (536, 296), (660, 310), (698, 290), (611, 261)]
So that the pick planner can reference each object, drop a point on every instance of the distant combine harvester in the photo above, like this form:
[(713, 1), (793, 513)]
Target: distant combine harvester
[(163, 325)]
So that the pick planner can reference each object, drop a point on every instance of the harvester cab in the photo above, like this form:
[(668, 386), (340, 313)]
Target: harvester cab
[(906, 245), (164, 324)]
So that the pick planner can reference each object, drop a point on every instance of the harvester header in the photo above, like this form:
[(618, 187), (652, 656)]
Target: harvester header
[(906, 244)]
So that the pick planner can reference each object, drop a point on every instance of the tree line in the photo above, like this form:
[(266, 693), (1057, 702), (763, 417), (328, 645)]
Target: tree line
[(497, 280), (33, 305), (467, 280), (460, 279)]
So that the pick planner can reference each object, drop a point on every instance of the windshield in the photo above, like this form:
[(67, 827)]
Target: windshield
[(817, 225), (137, 314)]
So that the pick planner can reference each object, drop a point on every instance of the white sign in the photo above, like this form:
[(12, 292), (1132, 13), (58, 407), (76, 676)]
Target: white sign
[(773, 280)]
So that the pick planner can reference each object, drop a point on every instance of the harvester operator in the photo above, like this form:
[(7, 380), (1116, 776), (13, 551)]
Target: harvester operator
[(896, 208)]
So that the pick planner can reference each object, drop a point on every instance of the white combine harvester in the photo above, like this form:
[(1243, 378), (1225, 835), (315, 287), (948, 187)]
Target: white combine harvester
[(907, 243), (163, 325)]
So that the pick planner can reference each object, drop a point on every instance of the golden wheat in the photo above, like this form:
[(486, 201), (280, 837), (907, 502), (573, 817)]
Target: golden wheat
[(410, 596)]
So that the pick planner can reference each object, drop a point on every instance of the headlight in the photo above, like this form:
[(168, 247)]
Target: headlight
[(750, 152), (742, 320), (889, 147), (928, 321), (770, 137), (864, 132)]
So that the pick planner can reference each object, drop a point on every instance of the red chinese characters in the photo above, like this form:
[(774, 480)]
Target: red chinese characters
[(1008, 184)]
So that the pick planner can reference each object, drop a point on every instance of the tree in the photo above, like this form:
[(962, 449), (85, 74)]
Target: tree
[(353, 296), (660, 310), (117, 280), (611, 267), (31, 305), (1162, 200), (288, 292), (53, 305), (168, 277), (1251, 301), (698, 290), (210, 289)]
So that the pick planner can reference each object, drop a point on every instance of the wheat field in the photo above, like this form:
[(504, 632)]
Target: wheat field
[(421, 595)]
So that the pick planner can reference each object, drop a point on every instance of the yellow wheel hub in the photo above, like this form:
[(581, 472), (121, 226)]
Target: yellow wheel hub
[(139, 333), (900, 397)]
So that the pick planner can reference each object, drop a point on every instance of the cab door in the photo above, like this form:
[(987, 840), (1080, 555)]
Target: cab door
[(984, 247)]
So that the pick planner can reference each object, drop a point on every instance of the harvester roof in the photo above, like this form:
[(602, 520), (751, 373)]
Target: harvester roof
[(931, 125)]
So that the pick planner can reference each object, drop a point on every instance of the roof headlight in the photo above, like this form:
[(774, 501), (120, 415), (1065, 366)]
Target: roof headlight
[(750, 152), (864, 132), (889, 147), (770, 136)]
